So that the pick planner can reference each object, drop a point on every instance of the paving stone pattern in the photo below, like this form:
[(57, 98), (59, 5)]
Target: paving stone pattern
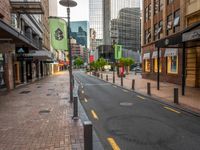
[(41, 118)]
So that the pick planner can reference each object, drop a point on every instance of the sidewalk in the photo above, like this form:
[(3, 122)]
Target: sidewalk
[(191, 99), (38, 117)]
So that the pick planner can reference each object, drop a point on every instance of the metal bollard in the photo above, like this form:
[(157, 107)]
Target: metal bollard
[(122, 82), (176, 101), (88, 139), (113, 77), (75, 115), (133, 84), (106, 77), (149, 88)]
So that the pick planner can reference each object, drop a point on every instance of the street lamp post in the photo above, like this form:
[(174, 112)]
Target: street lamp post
[(68, 4)]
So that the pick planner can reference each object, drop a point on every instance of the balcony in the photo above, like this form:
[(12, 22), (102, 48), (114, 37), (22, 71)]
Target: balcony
[(27, 6)]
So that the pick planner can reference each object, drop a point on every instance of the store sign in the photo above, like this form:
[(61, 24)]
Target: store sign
[(189, 36), (91, 58), (21, 50), (171, 52)]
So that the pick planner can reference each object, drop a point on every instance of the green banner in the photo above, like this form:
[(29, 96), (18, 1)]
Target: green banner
[(118, 51), (58, 30)]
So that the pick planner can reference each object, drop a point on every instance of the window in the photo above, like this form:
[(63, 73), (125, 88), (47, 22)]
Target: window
[(172, 64), (147, 65), (160, 30), (169, 24), (149, 35), (155, 65), (149, 11), (146, 13), (2, 82), (170, 1), (156, 28), (161, 4), (176, 23), (156, 6)]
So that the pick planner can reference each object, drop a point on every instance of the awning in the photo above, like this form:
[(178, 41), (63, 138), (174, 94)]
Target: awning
[(155, 54), (146, 56), (171, 52), (192, 35)]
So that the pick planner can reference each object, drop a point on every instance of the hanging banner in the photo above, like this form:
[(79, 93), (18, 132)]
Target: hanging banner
[(118, 51), (58, 30)]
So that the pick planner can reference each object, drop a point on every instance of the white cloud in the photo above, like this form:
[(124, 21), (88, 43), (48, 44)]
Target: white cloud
[(78, 13)]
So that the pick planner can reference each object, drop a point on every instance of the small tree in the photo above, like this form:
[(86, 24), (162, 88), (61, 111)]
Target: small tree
[(78, 62), (102, 62)]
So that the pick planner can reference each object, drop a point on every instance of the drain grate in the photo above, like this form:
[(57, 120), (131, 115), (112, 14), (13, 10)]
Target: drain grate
[(126, 104), (48, 94), (41, 112), (24, 92), (39, 87)]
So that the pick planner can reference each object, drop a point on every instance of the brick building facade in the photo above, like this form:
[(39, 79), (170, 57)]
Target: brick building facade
[(164, 22)]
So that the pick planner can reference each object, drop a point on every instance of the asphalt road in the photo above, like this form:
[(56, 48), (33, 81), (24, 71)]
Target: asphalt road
[(125, 120)]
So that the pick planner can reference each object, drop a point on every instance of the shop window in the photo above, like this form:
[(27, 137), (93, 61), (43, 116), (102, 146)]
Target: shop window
[(172, 64), (155, 65), (147, 65)]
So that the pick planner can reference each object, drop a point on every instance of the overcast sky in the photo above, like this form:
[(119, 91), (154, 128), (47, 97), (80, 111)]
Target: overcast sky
[(81, 11), (78, 13)]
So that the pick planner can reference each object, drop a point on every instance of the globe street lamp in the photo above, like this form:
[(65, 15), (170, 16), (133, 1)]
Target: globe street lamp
[(68, 4)]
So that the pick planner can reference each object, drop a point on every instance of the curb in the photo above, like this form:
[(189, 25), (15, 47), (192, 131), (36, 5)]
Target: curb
[(154, 98)]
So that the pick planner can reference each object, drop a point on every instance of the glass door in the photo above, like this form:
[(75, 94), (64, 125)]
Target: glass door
[(2, 81)]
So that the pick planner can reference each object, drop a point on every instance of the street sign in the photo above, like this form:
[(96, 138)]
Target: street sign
[(21, 50), (118, 51)]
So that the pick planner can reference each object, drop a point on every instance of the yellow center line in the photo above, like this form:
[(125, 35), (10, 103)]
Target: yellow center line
[(94, 115), (140, 97), (113, 144), (173, 110), (85, 100)]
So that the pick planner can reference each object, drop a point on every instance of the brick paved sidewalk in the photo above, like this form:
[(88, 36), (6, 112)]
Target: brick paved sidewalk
[(25, 123), (191, 99)]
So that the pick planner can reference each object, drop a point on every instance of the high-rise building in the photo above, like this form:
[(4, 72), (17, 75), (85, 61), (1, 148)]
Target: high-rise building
[(116, 21)]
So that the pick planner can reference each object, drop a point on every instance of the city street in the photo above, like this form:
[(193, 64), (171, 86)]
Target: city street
[(126, 120)]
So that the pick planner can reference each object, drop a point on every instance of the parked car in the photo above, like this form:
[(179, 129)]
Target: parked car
[(137, 69)]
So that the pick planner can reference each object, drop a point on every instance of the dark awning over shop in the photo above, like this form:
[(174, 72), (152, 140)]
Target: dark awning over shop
[(8, 33)]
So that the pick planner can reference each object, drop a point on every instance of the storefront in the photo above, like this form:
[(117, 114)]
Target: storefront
[(2, 80)]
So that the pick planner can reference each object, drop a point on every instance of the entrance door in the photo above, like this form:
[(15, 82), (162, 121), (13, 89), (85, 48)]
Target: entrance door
[(28, 70)]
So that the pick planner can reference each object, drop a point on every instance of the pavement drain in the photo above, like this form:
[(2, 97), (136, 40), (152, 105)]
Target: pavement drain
[(39, 87), (41, 112), (24, 92), (126, 104), (48, 94)]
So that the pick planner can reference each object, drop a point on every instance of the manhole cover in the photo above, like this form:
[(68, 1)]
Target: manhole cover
[(48, 94), (126, 104), (44, 112), (39, 87), (140, 130), (25, 92)]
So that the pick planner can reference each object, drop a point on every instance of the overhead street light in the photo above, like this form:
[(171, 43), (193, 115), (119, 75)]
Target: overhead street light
[(68, 4)]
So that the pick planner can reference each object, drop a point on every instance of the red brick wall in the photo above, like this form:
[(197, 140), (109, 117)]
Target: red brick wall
[(5, 10)]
